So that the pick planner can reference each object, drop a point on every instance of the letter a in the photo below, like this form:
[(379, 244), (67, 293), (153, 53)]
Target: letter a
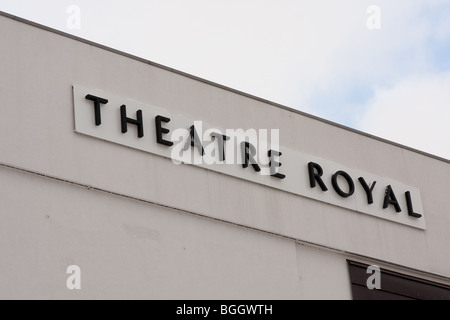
[(374, 281), (74, 281), (374, 20), (74, 20)]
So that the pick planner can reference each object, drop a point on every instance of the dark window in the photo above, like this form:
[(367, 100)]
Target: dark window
[(394, 286)]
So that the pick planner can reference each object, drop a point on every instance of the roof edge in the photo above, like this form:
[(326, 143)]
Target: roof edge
[(193, 77)]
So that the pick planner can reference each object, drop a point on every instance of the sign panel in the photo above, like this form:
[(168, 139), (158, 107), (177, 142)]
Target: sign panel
[(247, 153)]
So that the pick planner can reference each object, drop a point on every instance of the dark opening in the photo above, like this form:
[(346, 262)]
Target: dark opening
[(394, 286)]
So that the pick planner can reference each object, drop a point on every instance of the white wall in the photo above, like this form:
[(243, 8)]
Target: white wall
[(128, 248)]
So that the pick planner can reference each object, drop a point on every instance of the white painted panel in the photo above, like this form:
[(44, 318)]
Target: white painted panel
[(294, 163)]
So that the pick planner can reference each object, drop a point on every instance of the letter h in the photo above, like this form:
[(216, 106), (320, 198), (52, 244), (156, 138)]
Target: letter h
[(138, 122)]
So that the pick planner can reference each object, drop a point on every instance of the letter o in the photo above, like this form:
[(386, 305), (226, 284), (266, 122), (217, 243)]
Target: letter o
[(349, 180)]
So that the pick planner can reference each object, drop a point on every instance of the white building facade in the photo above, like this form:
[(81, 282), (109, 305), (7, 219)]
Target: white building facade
[(124, 179)]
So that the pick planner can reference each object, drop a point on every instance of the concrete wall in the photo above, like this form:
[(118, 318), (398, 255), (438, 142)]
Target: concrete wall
[(141, 227), (134, 250)]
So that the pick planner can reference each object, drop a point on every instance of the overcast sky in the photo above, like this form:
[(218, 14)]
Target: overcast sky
[(380, 66)]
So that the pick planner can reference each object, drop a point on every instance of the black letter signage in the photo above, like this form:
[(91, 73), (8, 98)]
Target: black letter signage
[(351, 185), (248, 152), (389, 198), (160, 131), (97, 101), (138, 122), (367, 189), (313, 176)]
